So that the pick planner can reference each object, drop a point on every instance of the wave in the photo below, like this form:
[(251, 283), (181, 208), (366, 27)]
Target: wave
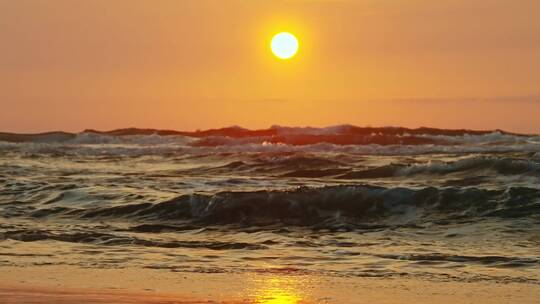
[(309, 165), (107, 239), (434, 258), (277, 139), (324, 207), (239, 132), (47, 137), (503, 166), (338, 135), (180, 149), (90, 138)]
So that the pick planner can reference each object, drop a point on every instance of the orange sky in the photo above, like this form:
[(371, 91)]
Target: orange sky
[(187, 64)]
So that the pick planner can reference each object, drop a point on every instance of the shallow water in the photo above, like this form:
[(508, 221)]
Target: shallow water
[(466, 208)]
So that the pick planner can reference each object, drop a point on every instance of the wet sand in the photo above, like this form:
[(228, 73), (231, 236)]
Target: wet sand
[(67, 284)]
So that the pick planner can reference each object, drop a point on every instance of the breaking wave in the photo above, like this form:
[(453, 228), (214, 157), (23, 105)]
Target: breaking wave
[(343, 138), (324, 207)]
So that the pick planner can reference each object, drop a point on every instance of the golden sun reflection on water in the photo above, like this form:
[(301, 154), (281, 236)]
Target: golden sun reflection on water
[(279, 290)]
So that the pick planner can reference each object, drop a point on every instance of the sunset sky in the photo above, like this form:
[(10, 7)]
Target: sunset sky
[(188, 64)]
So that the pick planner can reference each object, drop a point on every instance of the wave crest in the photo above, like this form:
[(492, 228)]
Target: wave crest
[(328, 207)]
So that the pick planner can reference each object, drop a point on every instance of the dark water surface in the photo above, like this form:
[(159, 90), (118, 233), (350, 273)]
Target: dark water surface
[(459, 207)]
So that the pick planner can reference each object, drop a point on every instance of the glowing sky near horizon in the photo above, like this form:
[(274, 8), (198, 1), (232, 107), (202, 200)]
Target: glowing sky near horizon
[(190, 64)]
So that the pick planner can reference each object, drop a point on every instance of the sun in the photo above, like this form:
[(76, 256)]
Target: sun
[(284, 45)]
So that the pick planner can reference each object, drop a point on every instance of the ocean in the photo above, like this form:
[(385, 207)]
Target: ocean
[(343, 201)]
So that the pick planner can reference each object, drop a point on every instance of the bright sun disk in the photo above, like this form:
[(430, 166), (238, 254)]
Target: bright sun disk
[(284, 45)]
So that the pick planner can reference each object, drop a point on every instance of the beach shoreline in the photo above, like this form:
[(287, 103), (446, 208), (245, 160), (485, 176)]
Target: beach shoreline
[(68, 284)]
